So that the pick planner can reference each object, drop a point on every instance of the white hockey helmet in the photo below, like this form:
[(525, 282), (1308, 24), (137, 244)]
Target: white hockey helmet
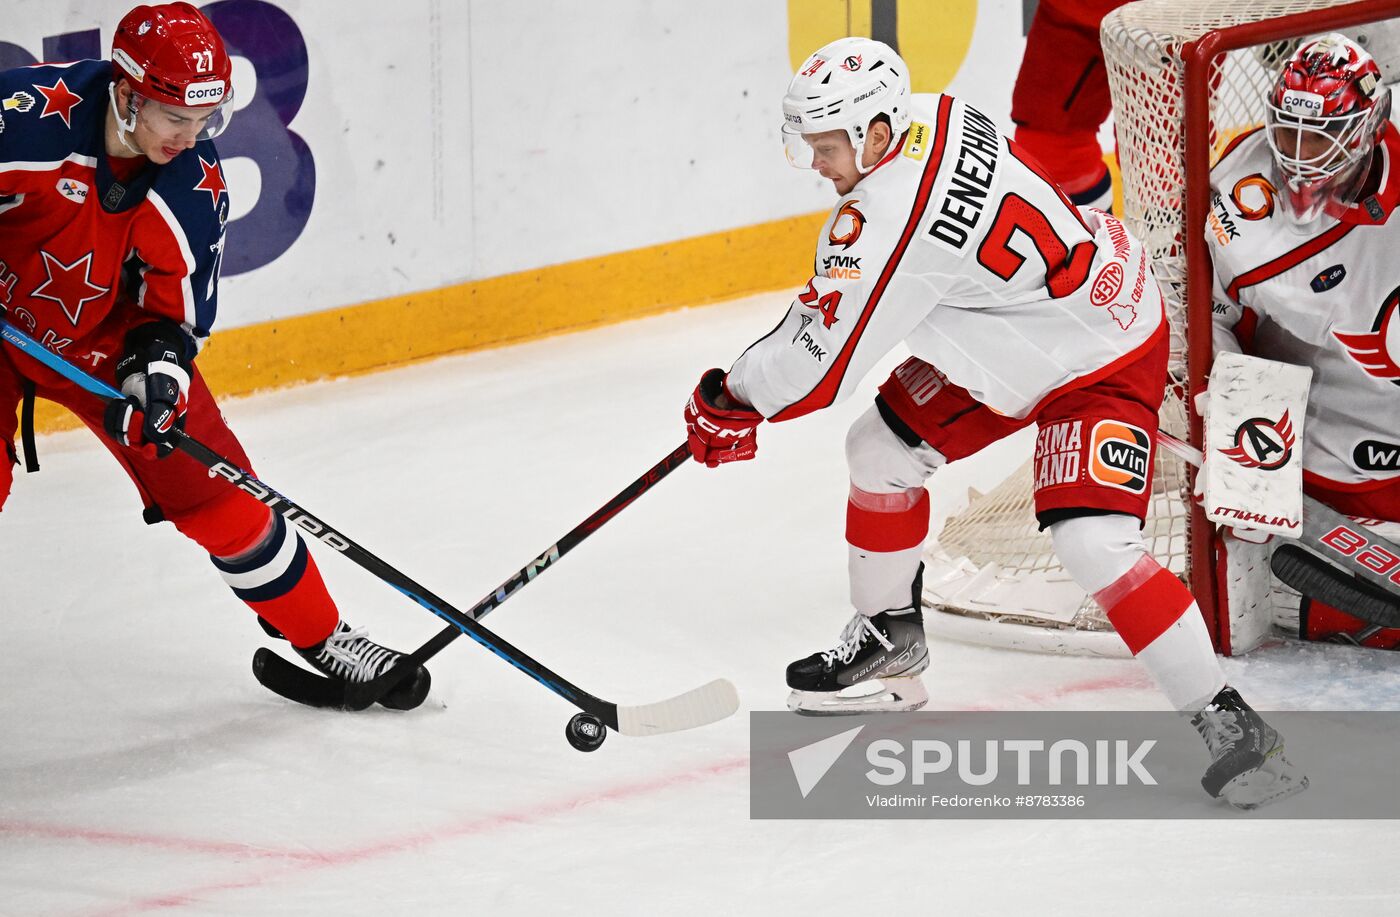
[(844, 86)]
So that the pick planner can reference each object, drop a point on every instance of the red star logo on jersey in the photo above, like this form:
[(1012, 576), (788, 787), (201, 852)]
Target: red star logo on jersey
[(1378, 350), (212, 180), (68, 285), (58, 100)]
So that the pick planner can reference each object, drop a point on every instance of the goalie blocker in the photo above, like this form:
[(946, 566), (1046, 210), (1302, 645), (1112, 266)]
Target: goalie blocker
[(1252, 485)]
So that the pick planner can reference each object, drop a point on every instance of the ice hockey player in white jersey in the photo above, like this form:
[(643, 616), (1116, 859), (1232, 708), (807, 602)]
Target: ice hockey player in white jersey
[(1306, 253), (1018, 310)]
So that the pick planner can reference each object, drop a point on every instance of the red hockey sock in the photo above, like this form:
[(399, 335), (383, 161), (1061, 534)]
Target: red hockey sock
[(1160, 622), (266, 564), (886, 535), (886, 522)]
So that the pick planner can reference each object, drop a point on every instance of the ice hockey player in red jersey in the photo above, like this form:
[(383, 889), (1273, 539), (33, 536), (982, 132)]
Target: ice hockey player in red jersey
[(112, 213), (1061, 97), (1019, 310), (1303, 238)]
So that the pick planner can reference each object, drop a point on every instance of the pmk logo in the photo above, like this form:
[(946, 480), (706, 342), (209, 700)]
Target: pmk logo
[(1120, 456), (845, 229), (1378, 350), (1254, 197), (1262, 443)]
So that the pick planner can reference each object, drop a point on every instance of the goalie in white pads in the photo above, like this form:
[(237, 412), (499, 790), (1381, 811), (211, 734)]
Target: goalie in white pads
[(1304, 243), (1018, 310)]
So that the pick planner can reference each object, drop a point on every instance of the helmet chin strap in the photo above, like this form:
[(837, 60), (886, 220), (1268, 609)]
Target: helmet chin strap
[(860, 152), (124, 125)]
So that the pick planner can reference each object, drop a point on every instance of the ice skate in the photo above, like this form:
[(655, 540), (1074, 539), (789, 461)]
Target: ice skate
[(873, 669), (1248, 768), (349, 655)]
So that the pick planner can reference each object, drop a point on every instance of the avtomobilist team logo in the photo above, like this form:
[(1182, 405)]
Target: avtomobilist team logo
[(1262, 443), (845, 229), (1119, 455), (1378, 350)]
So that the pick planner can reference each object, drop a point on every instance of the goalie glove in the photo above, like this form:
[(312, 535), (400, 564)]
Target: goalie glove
[(154, 375)]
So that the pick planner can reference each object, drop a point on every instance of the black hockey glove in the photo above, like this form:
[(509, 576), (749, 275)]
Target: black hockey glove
[(154, 374)]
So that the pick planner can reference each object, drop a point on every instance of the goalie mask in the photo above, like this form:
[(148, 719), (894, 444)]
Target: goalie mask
[(843, 86), (178, 69), (1326, 112)]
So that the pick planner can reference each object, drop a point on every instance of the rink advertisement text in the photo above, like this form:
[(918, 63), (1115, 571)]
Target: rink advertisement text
[(1049, 765)]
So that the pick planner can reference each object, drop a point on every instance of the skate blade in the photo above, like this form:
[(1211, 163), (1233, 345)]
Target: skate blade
[(1275, 779), (889, 695)]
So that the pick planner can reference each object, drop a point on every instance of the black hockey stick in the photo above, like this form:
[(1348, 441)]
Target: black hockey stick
[(1318, 579), (706, 704), (1329, 534), (284, 677)]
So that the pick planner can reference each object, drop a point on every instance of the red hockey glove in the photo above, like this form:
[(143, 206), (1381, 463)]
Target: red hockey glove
[(717, 428), (154, 374)]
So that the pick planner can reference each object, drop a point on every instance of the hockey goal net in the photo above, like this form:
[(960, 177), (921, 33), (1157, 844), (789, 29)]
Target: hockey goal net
[(1186, 77)]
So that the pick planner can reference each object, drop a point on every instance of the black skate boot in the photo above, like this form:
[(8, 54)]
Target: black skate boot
[(349, 655), (1248, 768), (873, 669)]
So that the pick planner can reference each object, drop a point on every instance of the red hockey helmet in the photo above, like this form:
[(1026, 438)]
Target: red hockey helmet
[(173, 55), (1327, 110)]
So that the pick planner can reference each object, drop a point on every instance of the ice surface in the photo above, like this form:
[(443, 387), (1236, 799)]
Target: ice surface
[(143, 770)]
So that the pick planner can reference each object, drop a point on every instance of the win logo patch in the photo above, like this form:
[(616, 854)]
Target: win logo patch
[(1120, 455)]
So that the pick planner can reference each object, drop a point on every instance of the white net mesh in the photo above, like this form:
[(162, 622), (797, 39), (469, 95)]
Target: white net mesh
[(990, 566)]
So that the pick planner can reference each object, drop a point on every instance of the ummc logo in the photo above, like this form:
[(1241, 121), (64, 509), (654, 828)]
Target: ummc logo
[(1257, 187), (846, 228), (203, 93)]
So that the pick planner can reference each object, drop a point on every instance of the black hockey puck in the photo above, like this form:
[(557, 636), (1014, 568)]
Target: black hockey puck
[(585, 732)]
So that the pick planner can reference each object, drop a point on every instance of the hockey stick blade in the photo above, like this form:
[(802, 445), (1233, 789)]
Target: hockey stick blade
[(295, 683), (698, 707), (1318, 579)]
